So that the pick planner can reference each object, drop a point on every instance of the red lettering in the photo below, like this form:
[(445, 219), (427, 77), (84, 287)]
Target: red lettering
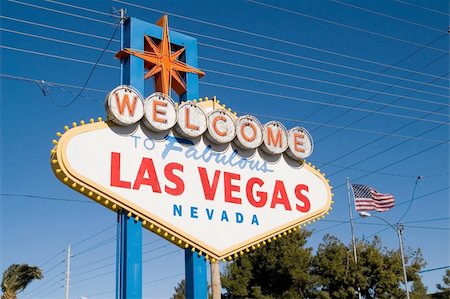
[(302, 198), (187, 120), (115, 172), (298, 142), (260, 194), (147, 167), (209, 189), (272, 140), (173, 178), (230, 188), (126, 102), (280, 196)]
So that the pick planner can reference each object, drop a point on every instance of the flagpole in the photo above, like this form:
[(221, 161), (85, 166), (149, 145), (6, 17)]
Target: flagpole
[(353, 230)]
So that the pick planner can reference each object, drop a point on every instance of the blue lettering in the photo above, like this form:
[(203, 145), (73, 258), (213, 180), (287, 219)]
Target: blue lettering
[(171, 145), (209, 213), (135, 140), (194, 211), (224, 216), (152, 144), (255, 220), (239, 217), (177, 209)]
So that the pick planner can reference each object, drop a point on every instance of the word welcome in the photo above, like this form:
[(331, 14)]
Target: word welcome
[(125, 106)]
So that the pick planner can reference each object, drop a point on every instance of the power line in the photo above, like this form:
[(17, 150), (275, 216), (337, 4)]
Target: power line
[(384, 70), (285, 74), (245, 53), (282, 74), (298, 99), (324, 92), (422, 7), (339, 127), (57, 56), (311, 68), (93, 235), (427, 220), (61, 12), (434, 269), (402, 203), (246, 90), (57, 28), (6, 76), (388, 16), (376, 140), (256, 34), (92, 71), (345, 26), (44, 197)]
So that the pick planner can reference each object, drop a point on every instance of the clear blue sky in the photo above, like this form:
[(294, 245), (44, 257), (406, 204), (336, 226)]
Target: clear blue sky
[(313, 60)]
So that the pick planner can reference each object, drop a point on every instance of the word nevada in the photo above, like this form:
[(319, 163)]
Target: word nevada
[(126, 106)]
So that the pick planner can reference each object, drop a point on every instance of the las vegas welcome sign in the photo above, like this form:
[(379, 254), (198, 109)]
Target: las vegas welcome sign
[(194, 173)]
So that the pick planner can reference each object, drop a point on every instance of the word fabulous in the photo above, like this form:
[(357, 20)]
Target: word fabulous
[(125, 106)]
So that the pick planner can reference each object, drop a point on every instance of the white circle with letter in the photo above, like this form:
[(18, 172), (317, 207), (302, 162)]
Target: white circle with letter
[(300, 143), (124, 105), (160, 112), (191, 120), (221, 128)]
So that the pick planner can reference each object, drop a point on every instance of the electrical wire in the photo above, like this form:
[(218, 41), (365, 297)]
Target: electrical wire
[(92, 71), (298, 99), (365, 80), (325, 93), (57, 56), (412, 200), (255, 34), (248, 54), (422, 7), (283, 74), (224, 27), (388, 16), (427, 220), (401, 203), (44, 197), (6, 76), (345, 26), (434, 269), (93, 235), (57, 28), (385, 70), (61, 12)]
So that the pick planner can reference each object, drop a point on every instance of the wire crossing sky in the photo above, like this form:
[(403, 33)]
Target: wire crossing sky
[(368, 79)]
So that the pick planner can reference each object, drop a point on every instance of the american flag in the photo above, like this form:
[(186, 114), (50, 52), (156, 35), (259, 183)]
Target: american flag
[(369, 199)]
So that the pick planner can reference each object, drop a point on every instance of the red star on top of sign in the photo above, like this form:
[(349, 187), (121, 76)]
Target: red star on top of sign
[(161, 63)]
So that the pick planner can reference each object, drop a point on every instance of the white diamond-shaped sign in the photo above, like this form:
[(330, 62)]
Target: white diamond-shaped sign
[(218, 199)]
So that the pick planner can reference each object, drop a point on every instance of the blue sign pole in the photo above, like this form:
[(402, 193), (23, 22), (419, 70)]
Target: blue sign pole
[(129, 231), (129, 264)]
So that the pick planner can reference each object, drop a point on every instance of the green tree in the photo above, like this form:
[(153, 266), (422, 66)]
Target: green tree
[(335, 268), (17, 277), (445, 288), (180, 291), (418, 290), (278, 270)]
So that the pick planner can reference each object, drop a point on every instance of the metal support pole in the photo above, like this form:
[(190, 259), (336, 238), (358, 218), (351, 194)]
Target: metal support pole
[(68, 272), (353, 230), (196, 282), (400, 239), (216, 286), (129, 267)]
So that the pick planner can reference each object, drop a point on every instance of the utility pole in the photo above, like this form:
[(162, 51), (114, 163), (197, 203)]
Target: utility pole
[(353, 231), (68, 272), (400, 239), (216, 285)]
